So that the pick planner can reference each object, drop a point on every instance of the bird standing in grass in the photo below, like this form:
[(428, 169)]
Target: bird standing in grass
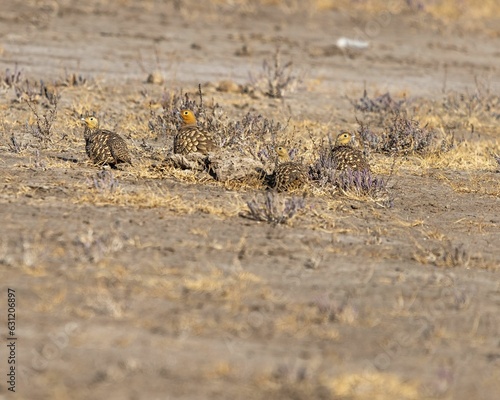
[(103, 146), (288, 175), (347, 157), (190, 138)]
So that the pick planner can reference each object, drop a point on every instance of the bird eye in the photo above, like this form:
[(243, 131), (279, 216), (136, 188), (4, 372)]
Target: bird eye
[(186, 112)]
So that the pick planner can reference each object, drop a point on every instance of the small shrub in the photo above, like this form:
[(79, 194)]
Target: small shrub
[(15, 145), (38, 162), (405, 135), (254, 135), (324, 169), (360, 183), (37, 92), (42, 128), (104, 182), (402, 134), (381, 104), (497, 159), (480, 103), (11, 78), (447, 254), (96, 246), (274, 209), (276, 79), (368, 136), (72, 79)]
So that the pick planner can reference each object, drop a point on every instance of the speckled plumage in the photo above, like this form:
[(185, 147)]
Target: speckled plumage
[(103, 146), (288, 175), (347, 157), (190, 138)]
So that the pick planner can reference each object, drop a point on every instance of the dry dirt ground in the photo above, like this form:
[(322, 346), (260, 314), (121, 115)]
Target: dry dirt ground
[(146, 282)]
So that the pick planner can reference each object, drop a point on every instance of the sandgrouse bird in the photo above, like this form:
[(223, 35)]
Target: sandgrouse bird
[(103, 146), (347, 157), (288, 175), (190, 138)]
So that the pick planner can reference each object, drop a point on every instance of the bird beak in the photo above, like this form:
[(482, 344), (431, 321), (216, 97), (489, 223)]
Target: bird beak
[(82, 119)]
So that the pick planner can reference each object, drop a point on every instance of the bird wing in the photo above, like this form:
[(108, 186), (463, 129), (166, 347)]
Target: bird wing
[(118, 147)]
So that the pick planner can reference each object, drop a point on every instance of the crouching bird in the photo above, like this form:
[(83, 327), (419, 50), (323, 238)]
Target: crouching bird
[(102, 146), (288, 175), (191, 138), (347, 157)]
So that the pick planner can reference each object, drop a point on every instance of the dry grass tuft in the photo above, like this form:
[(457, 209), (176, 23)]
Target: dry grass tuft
[(372, 386), (219, 280), (454, 9), (150, 196), (467, 156), (444, 254)]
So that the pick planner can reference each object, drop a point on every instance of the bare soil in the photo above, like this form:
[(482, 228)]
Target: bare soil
[(162, 290)]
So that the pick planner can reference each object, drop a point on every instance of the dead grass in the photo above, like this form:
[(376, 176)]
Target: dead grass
[(219, 370), (475, 183), (372, 386), (155, 196), (473, 110), (443, 254), (445, 9), (302, 325), (144, 199), (48, 302), (441, 9), (453, 9), (466, 156), (219, 281)]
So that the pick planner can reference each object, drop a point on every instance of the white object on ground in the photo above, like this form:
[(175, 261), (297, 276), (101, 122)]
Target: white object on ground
[(346, 43)]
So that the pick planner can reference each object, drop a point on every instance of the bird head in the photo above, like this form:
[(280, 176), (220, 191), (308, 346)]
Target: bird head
[(344, 138), (188, 117), (91, 122), (282, 153)]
